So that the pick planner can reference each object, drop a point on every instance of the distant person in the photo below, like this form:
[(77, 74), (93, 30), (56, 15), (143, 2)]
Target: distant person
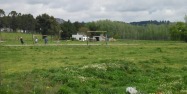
[(21, 40), (36, 40), (45, 40)]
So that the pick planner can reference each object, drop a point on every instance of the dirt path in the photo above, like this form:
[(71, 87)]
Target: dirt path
[(70, 45)]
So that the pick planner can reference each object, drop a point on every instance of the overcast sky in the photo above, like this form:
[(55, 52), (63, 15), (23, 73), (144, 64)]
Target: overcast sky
[(92, 10)]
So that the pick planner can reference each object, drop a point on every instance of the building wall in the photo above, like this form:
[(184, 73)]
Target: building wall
[(99, 38), (80, 37)]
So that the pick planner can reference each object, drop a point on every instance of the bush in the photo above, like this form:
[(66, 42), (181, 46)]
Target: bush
[(64, 90), (185, 79), (184, 68)]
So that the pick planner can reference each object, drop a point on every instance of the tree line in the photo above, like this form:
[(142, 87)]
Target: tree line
[(150, 22), (48, 25), (42, 24), (121, 30), (14, 22)]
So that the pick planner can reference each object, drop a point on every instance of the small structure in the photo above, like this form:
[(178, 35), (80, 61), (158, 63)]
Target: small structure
[(80, 37), (99, 38)]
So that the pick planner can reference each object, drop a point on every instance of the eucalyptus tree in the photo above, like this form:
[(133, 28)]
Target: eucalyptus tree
[(13, 20), (2, 14), (13, 14), (68, 29), (78, 25), (27, 23), (83, 30), (47, 25)]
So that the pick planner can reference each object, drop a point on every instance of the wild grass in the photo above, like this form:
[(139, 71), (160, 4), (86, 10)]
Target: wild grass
[(150, 66)]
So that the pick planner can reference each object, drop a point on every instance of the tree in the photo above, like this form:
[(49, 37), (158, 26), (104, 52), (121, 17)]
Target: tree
[(2, 14), (122, 30), (13, 13), (47, 25), (78, 25), (68, 29), (6, 22), (83, 30), (93, 26), (18, 21), (178, 31), (27, 22), (184, 35), (13, 20)]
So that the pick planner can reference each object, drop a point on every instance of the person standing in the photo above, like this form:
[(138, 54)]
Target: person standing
[(21, 40), (45, 40), (36, 40)]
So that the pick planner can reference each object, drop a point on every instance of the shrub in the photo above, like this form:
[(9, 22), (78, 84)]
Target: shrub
[(185, 79), (64, 90), (184, 68), (73, 83), (159, 49)]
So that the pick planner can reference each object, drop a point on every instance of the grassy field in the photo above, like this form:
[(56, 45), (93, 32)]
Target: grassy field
[(150, 66)]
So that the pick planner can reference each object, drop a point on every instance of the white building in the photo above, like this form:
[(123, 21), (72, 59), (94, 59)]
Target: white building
[(80, 37)]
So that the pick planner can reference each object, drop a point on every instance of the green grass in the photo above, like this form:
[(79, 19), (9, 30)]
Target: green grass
[(150, 66)]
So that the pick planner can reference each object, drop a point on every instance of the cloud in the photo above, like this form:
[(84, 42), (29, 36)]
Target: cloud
[(91, 10)]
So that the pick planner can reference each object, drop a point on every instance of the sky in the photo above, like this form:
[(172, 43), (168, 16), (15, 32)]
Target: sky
[(93, 10)]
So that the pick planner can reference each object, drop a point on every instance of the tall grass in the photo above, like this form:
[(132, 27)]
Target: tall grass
[(150, 66)]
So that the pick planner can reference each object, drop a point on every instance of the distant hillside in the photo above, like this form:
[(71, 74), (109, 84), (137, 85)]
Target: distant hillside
[(150, 22), (60, 21)]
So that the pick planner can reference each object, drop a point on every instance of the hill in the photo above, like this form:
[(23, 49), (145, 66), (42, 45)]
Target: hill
[(142, 23)]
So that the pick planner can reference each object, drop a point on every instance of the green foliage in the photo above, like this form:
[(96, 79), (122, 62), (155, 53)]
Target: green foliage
[(185, 79), (2, 14), (68, 29), (47, 25), (43, 24), (179, 31), (121, 30), (27, 22), (64, 90), (103, 77), (13, 20), (83, 30)]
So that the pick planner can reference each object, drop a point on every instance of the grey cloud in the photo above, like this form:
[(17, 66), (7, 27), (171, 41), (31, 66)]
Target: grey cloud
[(77, 6), (142, 5), (86, 10), (68, 5), (39, 1), (10, 1)]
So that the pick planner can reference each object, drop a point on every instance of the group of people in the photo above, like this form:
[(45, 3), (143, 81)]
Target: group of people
[(36, 40)]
